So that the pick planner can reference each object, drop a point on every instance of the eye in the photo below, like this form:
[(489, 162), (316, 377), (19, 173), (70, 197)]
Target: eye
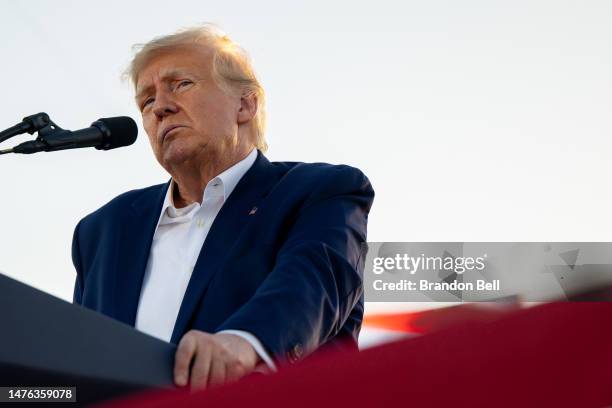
[(147, 102), (184, 83)]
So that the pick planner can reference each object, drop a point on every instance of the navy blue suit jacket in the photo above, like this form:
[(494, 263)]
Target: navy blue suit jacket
[(289, 272)]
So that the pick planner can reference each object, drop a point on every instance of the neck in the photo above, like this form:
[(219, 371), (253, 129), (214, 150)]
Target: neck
[(191, 177)]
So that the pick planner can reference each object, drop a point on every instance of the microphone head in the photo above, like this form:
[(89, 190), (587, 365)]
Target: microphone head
[(119, 131)]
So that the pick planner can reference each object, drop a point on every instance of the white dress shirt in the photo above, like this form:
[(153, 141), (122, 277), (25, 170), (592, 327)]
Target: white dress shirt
[(176, 245)]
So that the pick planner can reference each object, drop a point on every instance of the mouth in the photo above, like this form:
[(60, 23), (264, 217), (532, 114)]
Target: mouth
[(168, 130)]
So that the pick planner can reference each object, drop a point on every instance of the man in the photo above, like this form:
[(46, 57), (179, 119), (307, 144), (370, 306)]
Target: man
[(238, 260)]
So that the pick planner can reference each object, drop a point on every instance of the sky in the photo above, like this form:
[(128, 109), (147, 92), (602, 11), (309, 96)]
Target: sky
[(474, 120)]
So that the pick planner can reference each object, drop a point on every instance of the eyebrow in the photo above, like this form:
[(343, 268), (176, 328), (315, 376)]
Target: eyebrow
[(170, 74)]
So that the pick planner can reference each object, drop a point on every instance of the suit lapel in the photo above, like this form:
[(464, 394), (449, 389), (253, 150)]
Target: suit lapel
[(222, 236), (134, 246)]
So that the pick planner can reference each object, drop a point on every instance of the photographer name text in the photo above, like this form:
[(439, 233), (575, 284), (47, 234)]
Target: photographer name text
[(425, 285)]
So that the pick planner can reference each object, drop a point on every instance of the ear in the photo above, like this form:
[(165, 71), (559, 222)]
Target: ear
[(248, 108)]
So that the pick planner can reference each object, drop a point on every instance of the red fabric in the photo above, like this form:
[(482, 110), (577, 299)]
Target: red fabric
[(552, 355)]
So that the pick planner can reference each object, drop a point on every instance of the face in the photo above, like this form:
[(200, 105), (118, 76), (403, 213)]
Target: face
[(186, 115)]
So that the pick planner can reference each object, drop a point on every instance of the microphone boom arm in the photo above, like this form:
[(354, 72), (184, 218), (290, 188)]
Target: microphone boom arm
[(29, 124)]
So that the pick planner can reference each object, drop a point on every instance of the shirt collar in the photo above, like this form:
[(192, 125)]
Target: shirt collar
[(221, 185)]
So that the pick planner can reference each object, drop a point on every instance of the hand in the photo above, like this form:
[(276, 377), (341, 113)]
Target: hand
[(217, 359)]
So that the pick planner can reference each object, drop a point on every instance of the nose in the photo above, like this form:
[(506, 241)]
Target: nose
[(164, 105)]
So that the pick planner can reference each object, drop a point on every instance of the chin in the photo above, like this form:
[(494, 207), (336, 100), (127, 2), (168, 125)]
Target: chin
[(176, 155)]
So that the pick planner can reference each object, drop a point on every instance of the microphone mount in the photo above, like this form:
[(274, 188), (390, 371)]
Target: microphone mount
[(45, 127), (29, 124)]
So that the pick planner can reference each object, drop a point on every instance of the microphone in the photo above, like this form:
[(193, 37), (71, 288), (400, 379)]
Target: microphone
[(103, 134)]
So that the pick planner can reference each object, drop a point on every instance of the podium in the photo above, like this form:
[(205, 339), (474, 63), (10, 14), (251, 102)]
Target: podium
[(48, 342)]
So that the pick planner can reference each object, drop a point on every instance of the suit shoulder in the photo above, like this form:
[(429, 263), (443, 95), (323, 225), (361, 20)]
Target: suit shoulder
[(122, 202), (323, 179), (321, 171)]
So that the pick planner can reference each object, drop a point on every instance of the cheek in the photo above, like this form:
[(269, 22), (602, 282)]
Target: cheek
[(215, 113), (150, 129)]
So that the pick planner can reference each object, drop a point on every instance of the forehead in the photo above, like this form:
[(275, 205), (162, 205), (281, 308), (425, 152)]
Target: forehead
[(170, 63)]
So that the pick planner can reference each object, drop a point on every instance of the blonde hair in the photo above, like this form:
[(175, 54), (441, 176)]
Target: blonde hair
[(231, 68)]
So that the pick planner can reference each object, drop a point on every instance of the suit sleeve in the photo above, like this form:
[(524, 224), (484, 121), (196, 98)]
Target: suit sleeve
[(318, 275), (76, 260)]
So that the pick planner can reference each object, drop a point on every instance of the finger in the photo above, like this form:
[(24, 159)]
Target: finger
[(217, 372), (182, 359), (201, 368), (234, 372)]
